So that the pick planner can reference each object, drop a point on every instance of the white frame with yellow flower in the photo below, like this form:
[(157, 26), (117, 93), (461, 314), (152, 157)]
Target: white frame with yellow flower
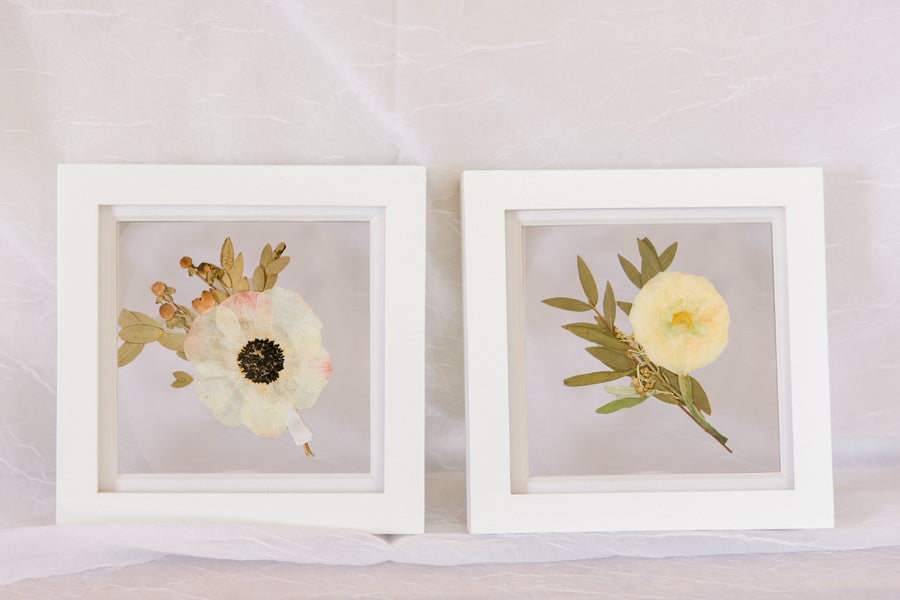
[(502, 495), (390, 200)]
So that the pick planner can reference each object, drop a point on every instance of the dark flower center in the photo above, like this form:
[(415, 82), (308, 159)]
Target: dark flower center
[(261, 360)]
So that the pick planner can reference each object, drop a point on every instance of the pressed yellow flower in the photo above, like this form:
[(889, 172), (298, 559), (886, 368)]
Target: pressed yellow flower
[(258, 358), (680, 320)]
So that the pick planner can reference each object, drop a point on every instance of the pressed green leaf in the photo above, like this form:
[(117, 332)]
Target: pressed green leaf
[(613, 359), (242, 286), (173, 341), (133, 317), (671, 377), (181, 355), (270, 282), (619, 405), (587, 282), (625, 306), (141, 334), (181, 379), (631, 271), (277, 264), (593, 378), (219, 295), (128, 351), (701, 400), (668, 399), (126, 318), (668, 255), (237, 269), (226, 258), (258, 283), (594, 333), (647, 241), (279, 249), (609, 306), (568, 304), (649, 260), (266, 256), (176, 321)]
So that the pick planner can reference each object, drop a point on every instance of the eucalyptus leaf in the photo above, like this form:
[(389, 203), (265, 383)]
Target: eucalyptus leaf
[(141, 334), (593, 378), (258, 283), (609, 306), (266, 256), (181, 379), (568, 304), (619, 405), (668, 255), (587, 282), (625, 306), (613, 359), (631, 271), (227, 255), (277, 264), (593, 333), (128, 351), (701, 400), (173, 341)]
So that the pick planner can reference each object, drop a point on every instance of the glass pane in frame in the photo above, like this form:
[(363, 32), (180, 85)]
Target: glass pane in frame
[(158, 437), (558, 442)]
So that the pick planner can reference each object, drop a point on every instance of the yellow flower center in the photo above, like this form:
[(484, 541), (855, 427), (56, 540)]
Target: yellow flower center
[(682, 317)]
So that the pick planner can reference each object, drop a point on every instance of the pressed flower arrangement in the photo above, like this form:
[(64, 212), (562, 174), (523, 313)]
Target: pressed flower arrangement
[(256, 348), (679, 323)]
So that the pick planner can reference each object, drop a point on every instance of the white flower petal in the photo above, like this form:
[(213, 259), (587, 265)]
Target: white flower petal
[(219, 394), (217, 338), (262, 412)]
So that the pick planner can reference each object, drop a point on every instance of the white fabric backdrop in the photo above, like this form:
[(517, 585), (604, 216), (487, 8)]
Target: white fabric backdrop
[(453, 86)]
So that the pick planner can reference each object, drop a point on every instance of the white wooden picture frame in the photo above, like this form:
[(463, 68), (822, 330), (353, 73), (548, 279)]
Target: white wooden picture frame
[(539, 458), (385, 205)]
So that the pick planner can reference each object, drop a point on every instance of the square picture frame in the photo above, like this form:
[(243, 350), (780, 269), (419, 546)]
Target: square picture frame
[(361, 235), (538, 457)]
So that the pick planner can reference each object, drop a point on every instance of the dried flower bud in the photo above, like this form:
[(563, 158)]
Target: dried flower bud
[(204, 268), (185, 262), (167, 311), (158, 288), (204, 302)]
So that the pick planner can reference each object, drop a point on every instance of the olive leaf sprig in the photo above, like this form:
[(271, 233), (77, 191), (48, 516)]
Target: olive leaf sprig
[(225, 279), (622, 354)]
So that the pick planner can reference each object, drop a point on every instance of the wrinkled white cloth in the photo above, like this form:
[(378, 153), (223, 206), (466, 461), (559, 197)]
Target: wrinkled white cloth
[(452, 86)]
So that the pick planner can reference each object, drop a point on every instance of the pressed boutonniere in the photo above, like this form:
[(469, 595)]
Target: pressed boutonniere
[(256, 349), (679, 323)]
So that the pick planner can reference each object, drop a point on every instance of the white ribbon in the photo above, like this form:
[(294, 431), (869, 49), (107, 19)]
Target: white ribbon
[(299, 431)]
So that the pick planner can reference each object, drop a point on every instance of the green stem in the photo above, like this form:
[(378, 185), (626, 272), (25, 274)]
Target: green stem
[(684, 382)]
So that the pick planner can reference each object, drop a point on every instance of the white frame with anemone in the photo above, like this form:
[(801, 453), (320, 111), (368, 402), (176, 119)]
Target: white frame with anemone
[(94, 198), (502, 497)]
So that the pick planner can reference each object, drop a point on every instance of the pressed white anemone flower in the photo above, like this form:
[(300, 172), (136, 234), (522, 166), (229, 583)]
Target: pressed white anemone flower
[(258, 359), (680, 320)]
